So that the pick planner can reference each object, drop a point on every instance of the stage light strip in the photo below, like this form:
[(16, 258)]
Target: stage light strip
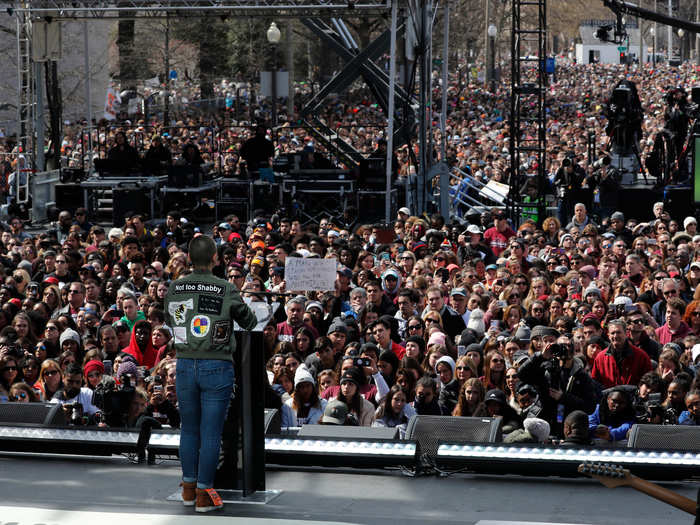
[(161, 439), (69, 434), (323, 446), (621, 456)]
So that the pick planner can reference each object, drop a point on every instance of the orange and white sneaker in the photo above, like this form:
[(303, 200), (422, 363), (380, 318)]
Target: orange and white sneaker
[(208, 500)]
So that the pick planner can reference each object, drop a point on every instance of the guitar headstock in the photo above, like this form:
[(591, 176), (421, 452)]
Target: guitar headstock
[(608, 474)]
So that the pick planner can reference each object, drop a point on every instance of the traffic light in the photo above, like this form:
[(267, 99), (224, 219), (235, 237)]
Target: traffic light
[(623, 58)]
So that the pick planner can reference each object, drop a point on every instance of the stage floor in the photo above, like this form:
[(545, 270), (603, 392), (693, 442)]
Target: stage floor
[(60, 490)]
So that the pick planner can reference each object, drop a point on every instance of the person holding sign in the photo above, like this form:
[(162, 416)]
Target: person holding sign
[(200, 309)]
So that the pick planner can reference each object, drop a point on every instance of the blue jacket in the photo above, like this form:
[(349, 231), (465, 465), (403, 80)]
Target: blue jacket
[(686, 419), (616, 434)]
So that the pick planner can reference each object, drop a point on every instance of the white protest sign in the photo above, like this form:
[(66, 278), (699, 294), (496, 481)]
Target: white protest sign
[(309, 274)]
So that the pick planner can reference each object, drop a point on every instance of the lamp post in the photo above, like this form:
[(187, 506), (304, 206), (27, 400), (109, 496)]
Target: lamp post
[(653, 46), (492, 31), (273, 37), (681, 33)]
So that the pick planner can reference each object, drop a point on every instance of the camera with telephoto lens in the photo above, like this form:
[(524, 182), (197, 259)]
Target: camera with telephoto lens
[(558, 350), (75, 410), (114, 400), (651, 411)]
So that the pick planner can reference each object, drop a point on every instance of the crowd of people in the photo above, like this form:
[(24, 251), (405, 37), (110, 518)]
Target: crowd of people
[(568, 333), (572, 331)]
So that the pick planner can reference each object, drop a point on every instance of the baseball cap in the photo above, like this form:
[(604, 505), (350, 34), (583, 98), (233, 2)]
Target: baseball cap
[(617, 216), (335, 412), (405, 211), (473, 228), (458, 291), (689, 220), (495, 395)]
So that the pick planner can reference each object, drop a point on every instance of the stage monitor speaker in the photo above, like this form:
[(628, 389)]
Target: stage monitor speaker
[(346, 432), (429, 431), (273, 421), (665, 437), (69, 196), (46, 414)]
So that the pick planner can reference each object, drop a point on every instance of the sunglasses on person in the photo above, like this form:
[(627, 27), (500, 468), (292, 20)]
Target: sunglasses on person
[(50, 373), (413, 326), (21, 395), (10, 368)]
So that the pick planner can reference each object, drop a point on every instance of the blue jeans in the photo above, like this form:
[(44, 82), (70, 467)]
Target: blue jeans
[(203, 392)]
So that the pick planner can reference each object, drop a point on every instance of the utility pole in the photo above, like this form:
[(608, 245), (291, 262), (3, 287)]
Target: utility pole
[(166, 108), (487, 41), (290, 70), (88, 92), (656, 30), (669, 44)]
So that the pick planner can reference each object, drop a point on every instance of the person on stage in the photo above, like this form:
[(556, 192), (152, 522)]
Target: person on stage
[(201, 309), (124, 157)]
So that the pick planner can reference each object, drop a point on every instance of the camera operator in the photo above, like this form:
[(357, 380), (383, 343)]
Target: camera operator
[(677, 116), (606, 180), (562, 382), (625, 116), (75, 399), (569, 184), (675, 400)]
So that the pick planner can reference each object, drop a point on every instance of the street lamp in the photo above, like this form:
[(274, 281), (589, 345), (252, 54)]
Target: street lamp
[(653, 46), (492, 32), (680, 44), (273, 37)]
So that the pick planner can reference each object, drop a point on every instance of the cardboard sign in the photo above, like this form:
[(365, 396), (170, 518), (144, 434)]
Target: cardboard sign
[(310, 274)]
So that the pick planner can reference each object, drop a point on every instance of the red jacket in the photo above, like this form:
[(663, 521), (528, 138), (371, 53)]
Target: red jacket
[(632, 367)]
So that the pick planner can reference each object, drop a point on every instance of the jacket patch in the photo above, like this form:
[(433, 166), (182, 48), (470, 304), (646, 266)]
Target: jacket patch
[(207, 304), (180, 334), (178, 310), (200, 325), (192, 287), (221, 333)]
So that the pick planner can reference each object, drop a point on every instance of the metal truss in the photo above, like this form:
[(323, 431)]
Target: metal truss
[(67, 9)]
